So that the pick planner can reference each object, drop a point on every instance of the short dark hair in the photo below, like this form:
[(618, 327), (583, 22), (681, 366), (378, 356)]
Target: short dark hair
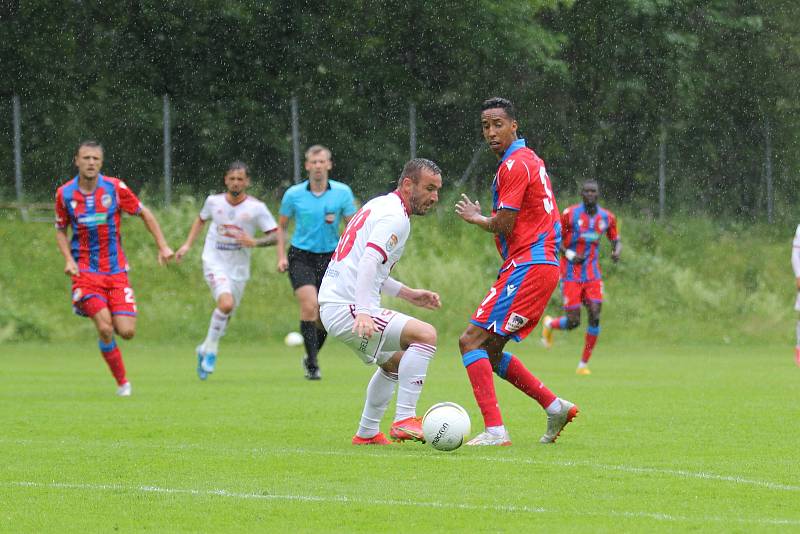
[(590, 181), (90, 143), (502, 103), (235, 166), (414, 167)]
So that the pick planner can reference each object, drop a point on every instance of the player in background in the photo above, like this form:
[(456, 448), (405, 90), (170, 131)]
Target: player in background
[(582, 226), (796, 269), (317, 205), (350, 303), (527, 232), (92, 204), (236, 218)]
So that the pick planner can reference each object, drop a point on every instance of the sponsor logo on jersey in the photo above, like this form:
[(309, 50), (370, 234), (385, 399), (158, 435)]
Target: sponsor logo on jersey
[(510, 288), (590, 236), (106, 200), (509, 163), (95, 219), (479, 312), (73, 204), (515, 322), (391, 243), (123, 185), (601, 225)]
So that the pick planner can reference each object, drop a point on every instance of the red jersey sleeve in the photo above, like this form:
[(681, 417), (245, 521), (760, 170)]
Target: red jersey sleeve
[(611, 231), (513, 180), (62, 215), (128, 201)]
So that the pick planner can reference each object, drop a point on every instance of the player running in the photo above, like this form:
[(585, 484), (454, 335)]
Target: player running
[(582, 226), (527, 232), (92, 204), (235, 219), (796, 269), (350, 303)]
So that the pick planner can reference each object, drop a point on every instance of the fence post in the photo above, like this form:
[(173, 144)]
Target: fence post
[(412, 129), (167, 153), (296, 139), (17, 112), (662, 171)]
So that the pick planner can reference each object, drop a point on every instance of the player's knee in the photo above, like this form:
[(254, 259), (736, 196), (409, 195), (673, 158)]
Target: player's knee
[(594, 322), (105, 332), (573, 322), (226, 304), (426, 334), (126, 332), (468, 343)]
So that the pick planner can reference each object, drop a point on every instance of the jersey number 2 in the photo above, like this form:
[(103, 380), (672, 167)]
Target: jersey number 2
[(349, 236)]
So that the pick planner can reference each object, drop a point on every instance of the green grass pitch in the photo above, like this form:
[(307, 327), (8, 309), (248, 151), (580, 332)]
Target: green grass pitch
[(701, 438)]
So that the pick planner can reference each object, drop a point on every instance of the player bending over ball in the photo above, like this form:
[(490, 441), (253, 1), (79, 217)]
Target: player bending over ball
[(236, 218), (582, 226), (527, 232), (92, 204), (350, 303)]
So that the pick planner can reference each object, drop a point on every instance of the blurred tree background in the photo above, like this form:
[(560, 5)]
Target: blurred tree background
[(599, 85)]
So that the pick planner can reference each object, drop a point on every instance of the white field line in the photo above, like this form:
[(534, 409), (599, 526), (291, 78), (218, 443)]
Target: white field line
[(343, 499), (394, 453)]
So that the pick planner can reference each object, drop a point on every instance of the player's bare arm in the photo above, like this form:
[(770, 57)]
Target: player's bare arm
[(70, 267), (164, 252), (420, 297), (617, 244), (270, 238), (283, 227), (502, 223), (194, 231)]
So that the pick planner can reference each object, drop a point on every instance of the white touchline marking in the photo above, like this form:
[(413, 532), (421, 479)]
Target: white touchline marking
[(343, 499), (382, 453)]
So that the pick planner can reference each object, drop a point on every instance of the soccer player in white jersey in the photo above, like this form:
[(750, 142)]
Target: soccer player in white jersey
[(796, 268), (350, 303), (236, 218)]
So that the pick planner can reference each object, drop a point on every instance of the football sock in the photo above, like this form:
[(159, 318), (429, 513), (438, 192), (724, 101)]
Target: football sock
[(479, 370), (554, 407), (379, 393), (411, 376), (591, 338), (113, 358), (558, 323), (322, 335), (496, 430), (515, 372), (216, 329), (310, 340)]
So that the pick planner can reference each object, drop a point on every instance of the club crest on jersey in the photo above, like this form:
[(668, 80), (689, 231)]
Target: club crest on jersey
[(515, 322), (105, 200), (391, 243), (330, 218), (509, 163)]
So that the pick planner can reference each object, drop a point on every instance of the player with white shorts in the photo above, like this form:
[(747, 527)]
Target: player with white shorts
[(235, 220), (350, 303)]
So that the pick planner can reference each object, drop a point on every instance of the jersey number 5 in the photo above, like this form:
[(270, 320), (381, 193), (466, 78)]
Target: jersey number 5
[(548, 202), (348, 238)]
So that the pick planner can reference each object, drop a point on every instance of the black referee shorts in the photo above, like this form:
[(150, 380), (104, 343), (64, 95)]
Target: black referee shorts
[(307, 268)]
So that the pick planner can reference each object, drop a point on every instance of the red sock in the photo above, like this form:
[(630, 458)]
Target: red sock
[(113, 357), (588, 346), (519, 376), (480, 376)]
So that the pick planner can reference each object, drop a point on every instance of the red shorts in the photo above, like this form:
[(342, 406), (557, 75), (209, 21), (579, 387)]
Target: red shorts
[(515, 302), (91, 292), (576, 293)]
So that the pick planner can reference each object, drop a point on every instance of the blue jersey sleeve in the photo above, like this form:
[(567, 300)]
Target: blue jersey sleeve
[(348, 203), (287, 204)]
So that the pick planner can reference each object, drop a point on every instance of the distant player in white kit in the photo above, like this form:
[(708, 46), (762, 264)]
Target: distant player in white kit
[(236, 218), (350, 303), (796, 269)]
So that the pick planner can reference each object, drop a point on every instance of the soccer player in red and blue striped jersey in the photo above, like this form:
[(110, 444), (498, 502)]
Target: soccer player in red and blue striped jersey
[(582, 227), (527, 232), (92, 205)]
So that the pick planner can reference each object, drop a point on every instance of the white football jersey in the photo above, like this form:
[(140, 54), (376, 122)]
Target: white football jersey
[(796, 259), (227, 221), (382, 224)]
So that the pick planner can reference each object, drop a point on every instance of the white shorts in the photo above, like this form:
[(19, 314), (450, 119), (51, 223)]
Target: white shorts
[(797, 302), (220, 282), (339, 319)]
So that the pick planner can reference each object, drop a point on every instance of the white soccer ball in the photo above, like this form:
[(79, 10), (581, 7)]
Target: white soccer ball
[(445, 426), (293, 339)]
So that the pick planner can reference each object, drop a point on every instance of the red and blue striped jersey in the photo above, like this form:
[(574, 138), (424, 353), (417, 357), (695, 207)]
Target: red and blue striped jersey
[(95, 219), (521, 184), (582, 233)]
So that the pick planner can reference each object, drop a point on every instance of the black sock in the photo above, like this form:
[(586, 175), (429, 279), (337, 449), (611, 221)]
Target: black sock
[(309, 331), (322, 335)]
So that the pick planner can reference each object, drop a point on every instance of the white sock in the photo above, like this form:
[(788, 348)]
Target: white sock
[(582, 364), (216, 329), (411, 376), (496, 430), (554, 407), (379, 393)]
